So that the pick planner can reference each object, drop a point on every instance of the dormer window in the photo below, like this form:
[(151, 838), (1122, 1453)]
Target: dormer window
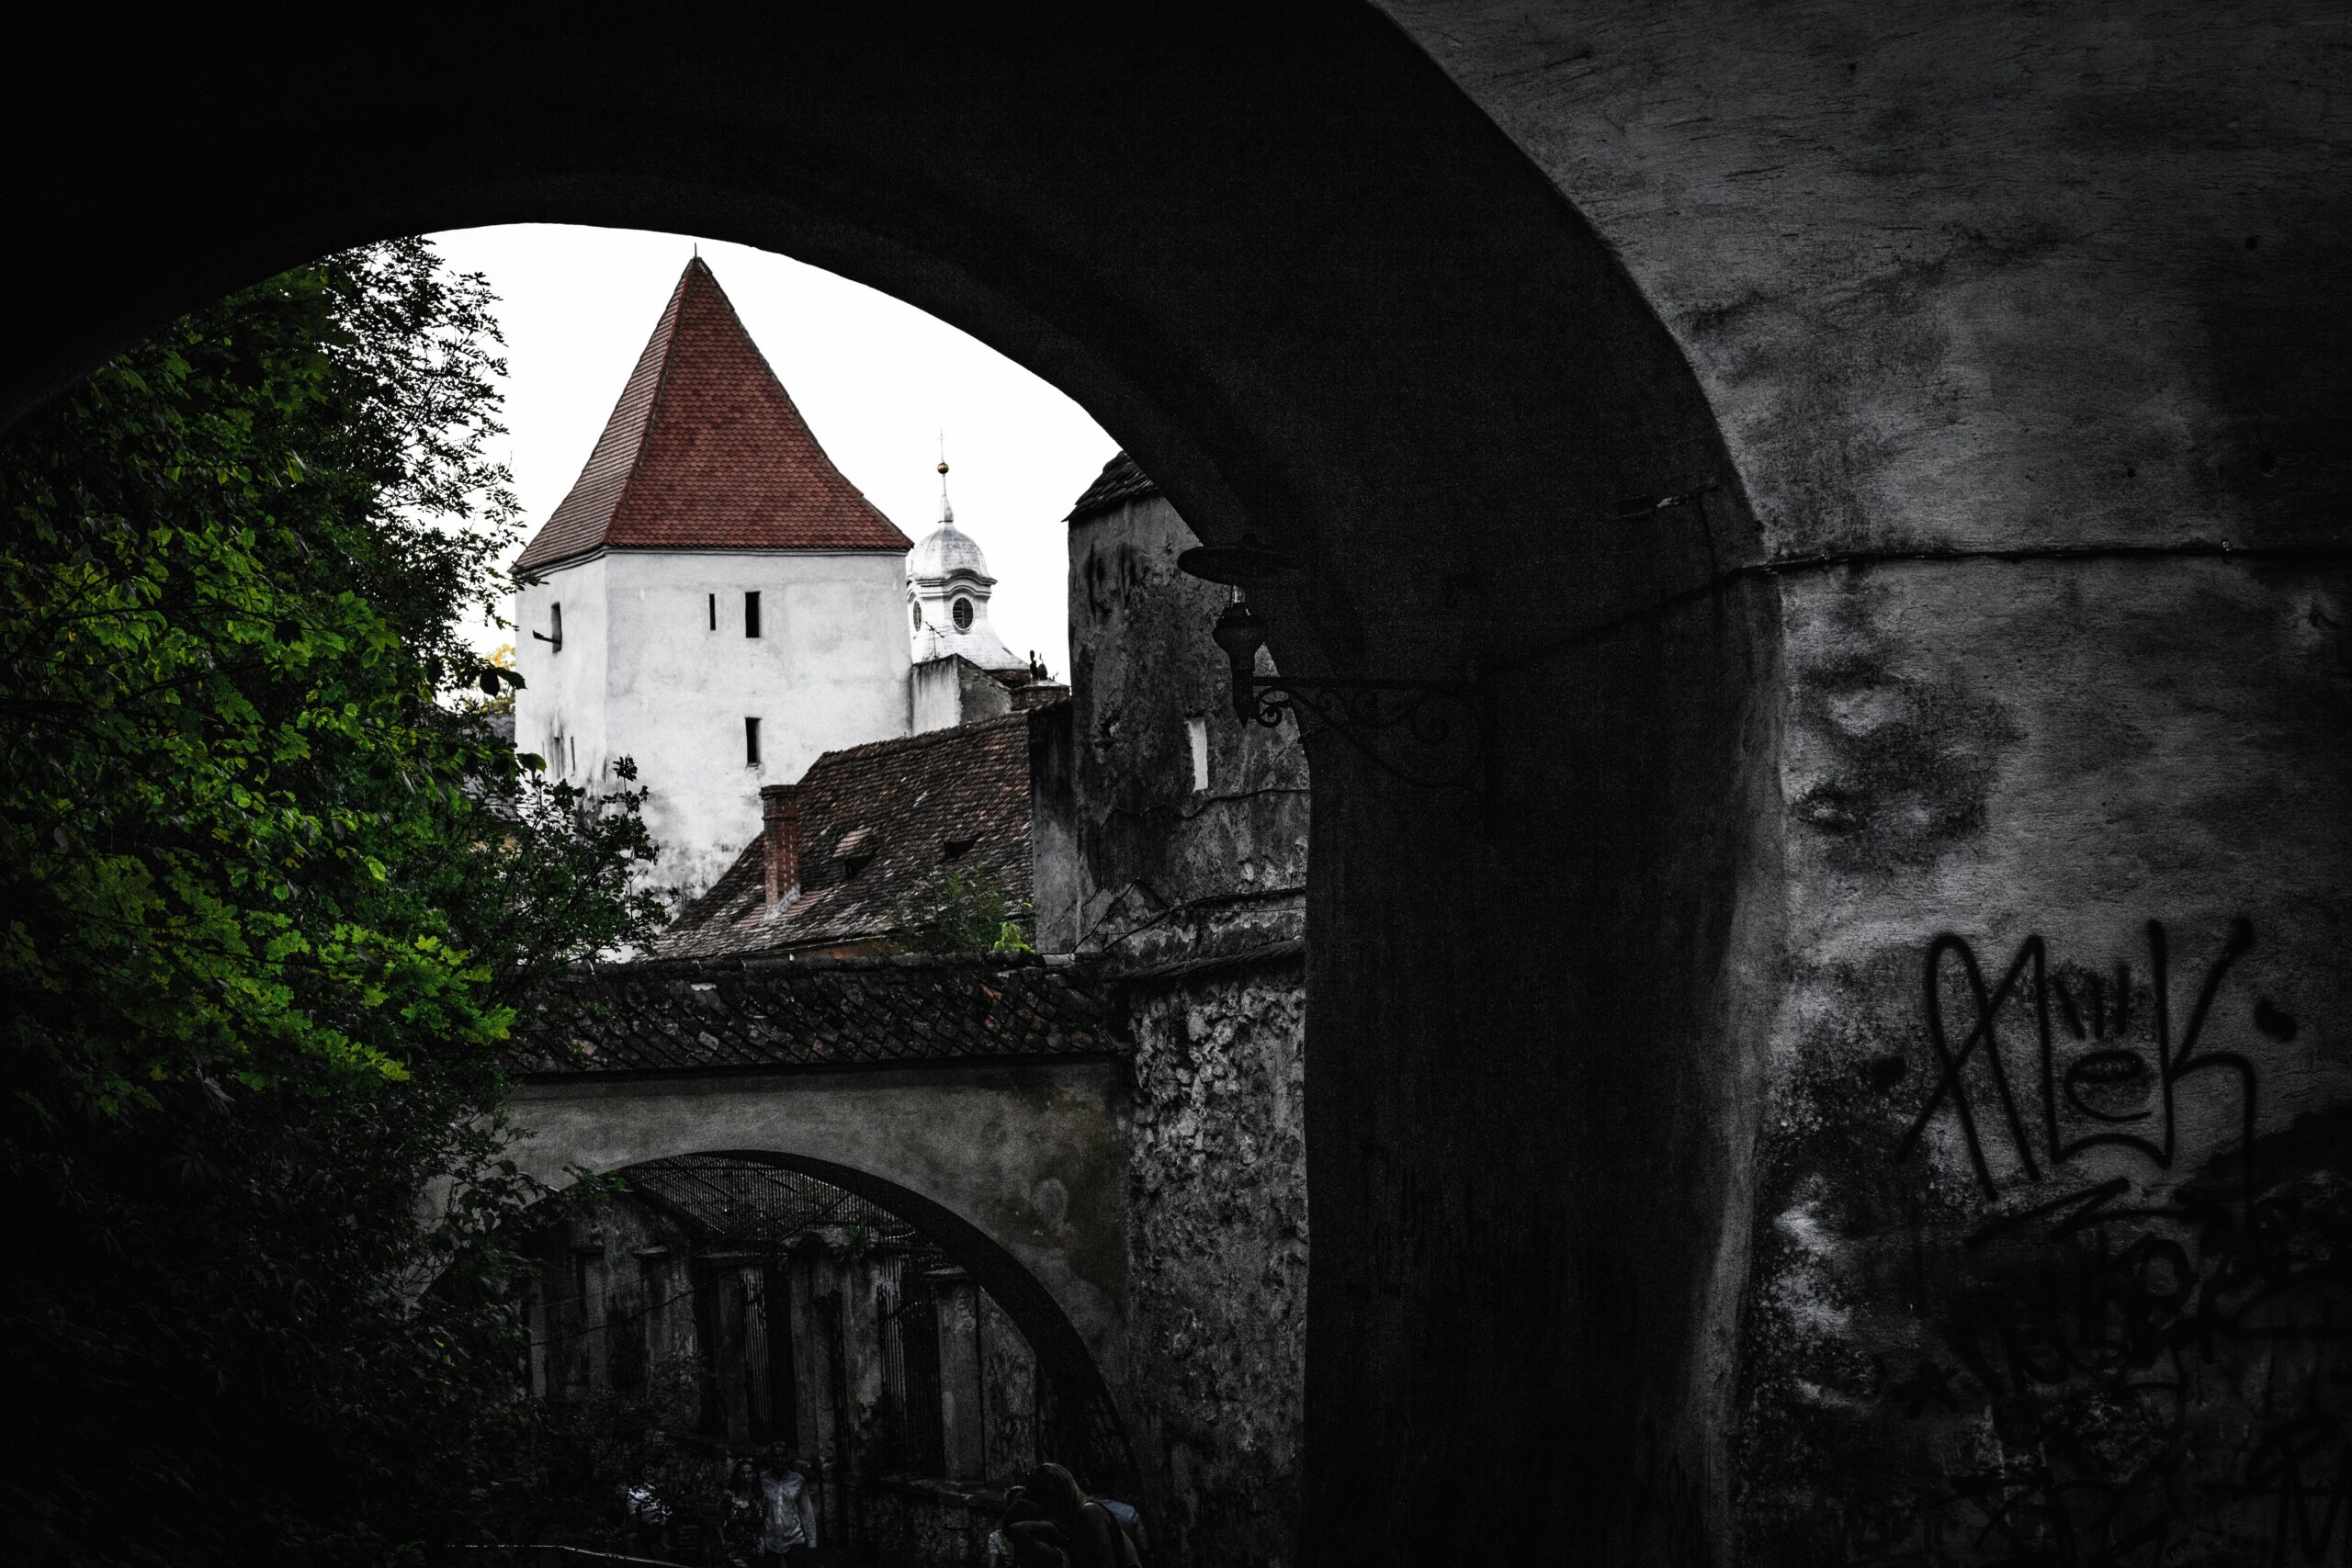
[(855, 851), (553, 636), (955, 849)]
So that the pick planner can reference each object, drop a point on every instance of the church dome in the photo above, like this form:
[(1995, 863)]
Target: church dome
[(948, 595), (945, 551)]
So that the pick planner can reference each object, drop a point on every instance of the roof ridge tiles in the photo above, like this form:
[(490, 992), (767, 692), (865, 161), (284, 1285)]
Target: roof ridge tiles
[(895, 743)]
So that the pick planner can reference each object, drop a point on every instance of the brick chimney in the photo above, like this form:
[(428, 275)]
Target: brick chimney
[(780, 827)]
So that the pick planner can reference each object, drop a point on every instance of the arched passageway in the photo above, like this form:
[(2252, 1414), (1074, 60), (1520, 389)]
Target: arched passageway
[(1016, 1171), (2027, 325), (1326, 302), (807, 1297)]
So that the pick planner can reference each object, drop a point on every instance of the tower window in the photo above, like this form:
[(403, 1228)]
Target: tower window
[(553, 636), (714, 612), (963, 614), (750, 742), (1196, 729), (918, 609), (750, 615)]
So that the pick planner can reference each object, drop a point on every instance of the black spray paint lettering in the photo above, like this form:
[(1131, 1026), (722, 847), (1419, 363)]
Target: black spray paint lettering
[(2106, 1087)]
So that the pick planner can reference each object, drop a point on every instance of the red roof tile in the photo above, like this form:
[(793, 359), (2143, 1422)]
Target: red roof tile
[(881, 825), (705, 451)]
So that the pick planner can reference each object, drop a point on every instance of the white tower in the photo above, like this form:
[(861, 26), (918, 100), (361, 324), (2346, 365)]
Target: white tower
[(713, 598), (948, 595)]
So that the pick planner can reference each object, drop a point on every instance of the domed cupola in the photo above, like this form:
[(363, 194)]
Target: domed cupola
[(948, 595)]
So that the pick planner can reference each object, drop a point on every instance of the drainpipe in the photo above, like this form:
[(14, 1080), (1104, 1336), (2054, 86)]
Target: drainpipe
[(780, 826)]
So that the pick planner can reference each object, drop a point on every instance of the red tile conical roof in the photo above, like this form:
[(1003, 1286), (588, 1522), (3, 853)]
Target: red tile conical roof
[(705, 451)]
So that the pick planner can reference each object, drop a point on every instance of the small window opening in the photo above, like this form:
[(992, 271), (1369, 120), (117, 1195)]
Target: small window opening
[(714, 612), (955, 849), (856, 851), (750, 615), (918, 610), (750, 742), (571, 755), (553, 636), (1196, 729), (963, 614)]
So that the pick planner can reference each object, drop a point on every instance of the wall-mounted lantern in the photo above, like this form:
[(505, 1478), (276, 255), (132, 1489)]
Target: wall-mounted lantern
[(1449, 720)]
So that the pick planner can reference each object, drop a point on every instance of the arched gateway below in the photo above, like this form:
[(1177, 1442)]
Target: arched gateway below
[(975, 1099)]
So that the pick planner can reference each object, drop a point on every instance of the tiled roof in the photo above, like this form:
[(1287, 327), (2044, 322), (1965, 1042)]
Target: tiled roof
[(1119, 482), (718, 1013), (705, 450), (906, 803)]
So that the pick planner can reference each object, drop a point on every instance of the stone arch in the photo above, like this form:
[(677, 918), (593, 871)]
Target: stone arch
[(1324, 301), (1090, 1418), (1018, 1170)]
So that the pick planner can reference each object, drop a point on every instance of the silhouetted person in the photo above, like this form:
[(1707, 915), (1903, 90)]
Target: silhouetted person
[(739, 1527), (1024, 1537), (1090, 1537), (787, 1514)]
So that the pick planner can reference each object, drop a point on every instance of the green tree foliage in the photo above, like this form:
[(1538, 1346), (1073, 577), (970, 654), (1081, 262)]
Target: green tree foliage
[(965, 912), (269, 897)]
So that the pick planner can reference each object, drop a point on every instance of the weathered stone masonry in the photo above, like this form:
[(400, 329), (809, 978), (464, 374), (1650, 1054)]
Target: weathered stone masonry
[(1217, 1238)]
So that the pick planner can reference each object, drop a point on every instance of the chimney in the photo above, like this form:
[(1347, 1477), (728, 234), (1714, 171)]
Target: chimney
[(780, 827)]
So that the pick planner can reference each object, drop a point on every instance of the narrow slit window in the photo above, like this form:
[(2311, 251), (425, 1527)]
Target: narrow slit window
[(714, 612), (1196, 729), (750, 742), (553, 636), (750, 615)]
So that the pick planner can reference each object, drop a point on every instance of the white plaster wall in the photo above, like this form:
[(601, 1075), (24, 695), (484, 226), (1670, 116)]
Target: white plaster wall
[(643, 674), (937, 696), (563, 693)]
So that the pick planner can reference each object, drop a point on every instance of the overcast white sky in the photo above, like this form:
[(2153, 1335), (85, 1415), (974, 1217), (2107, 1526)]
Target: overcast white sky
[(877, 380)]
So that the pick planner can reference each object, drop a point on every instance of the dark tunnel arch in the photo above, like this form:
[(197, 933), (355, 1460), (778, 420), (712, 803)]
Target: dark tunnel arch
[(1322, 299), (1089, 1416)]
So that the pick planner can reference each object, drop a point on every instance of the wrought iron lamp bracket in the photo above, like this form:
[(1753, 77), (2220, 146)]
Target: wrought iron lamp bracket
[(1446, 720), (1449, 722)]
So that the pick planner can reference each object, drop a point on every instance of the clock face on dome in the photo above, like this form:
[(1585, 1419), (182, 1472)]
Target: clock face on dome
[(963, 614)]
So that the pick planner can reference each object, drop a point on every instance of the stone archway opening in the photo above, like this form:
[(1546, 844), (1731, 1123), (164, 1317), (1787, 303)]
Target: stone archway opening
[(708, 1307), (1324, 300)]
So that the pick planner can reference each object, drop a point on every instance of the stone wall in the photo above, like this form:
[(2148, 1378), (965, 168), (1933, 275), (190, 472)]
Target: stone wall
[(1217, 1260), (1168, 868), (1193, 888)]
